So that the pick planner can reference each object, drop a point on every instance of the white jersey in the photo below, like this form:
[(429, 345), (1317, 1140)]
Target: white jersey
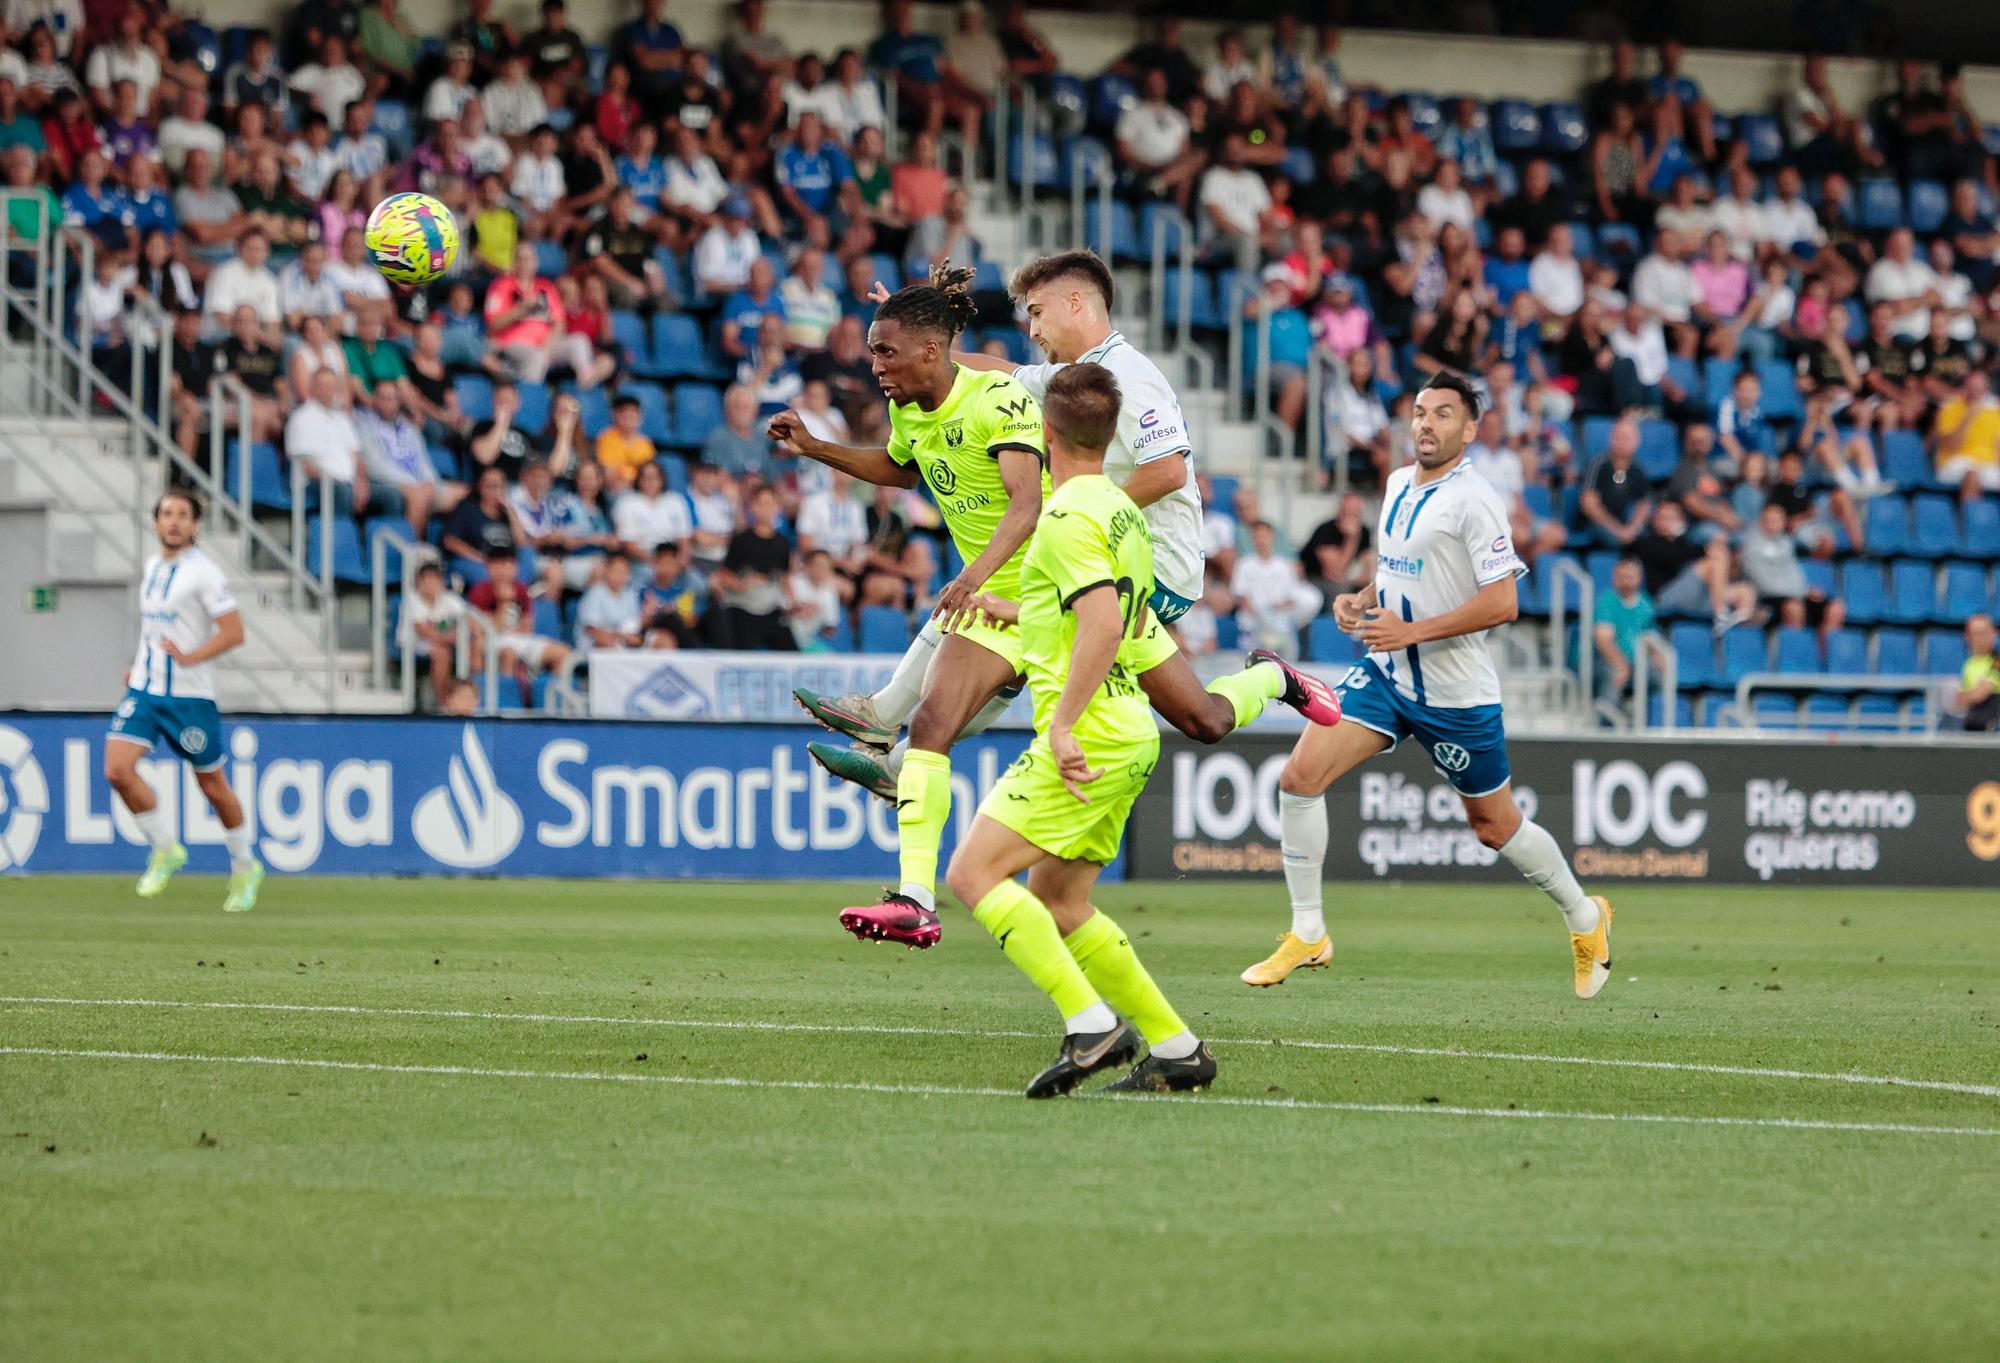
[(1150, 426), (180, 598), (1439, 543)]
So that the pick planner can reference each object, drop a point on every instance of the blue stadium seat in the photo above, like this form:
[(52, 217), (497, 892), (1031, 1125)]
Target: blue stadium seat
[(350, 563), (1944, 652), (842, 638), (1895, 652), (1878, 205), (884, 629), (1718, 377), (1825, 712), (1124, 243), (392, 557), (1694, 654), (1297, 165), (1506, 180), (1563, 128), (1934, 530), (1424, 111), (1886, 525), (547, 619), (1203, 311), (1069, 104), (1110, 96), (1541, 505), (986, 278), (654, 421), (677, 347), (629, 340), (1584, 239), (1517, 127), (550, 260), (1599, 564), (1821, 576), (1982, 528), (1743, 652), (1596, 436), (1224, 486), (1684, 374), (392, 125), (1965, 592), (270, 480), (446, 463), (1864, 589), (1159, 218), (1615, 239), (1912, 592), (1903, 459), (475, 396), (1656, 709), (1771, 711), (1760, 132), (1228, 638), (676, 470), (1781, 391), (1929, 202), (1878, 712), (1659, 448), (697, 411), (1798, 651), (1044, 167), (1325, 643), (1847, 651), (596, 404), (533, 417)]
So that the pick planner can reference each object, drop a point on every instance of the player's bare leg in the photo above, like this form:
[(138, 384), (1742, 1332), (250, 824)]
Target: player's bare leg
[(1529, 848), (964, 678), (982, 876), (1321, 757), (121, 770)]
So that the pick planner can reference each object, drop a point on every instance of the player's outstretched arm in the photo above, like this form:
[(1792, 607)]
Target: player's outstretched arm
[(1021, 475), (869, 465), (1099, 628), (228, 634), (1496, 604)]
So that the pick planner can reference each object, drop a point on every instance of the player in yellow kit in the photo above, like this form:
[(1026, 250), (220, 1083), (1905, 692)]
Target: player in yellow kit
[(1060, 811), (976, 442)]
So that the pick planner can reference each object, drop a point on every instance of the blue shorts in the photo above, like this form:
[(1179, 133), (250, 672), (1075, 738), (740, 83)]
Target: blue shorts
[(1468, 746), (1169, 606), (190, 727)]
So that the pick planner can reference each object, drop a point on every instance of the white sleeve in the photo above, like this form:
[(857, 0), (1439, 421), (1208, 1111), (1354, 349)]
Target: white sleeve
[(1150, 420), (216, 598), (1488, 541), (1035, 378)]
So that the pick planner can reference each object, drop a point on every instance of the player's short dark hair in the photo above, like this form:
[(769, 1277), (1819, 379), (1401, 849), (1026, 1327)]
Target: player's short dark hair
[(622, 401), (502, 553), (430, 566), (1086, 264), (1459, 384), (179, 494), (1081, 406), (944, 304)]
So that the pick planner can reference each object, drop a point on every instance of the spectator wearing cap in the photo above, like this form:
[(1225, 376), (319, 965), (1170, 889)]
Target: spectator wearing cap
[(1341, 324), (724, 254), (452, 91)]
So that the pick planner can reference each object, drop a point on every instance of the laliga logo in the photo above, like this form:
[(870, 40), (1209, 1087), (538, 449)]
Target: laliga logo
[(24, 798), (468, 823)]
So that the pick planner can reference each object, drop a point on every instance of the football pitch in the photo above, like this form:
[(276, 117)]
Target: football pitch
[(454, 1120)]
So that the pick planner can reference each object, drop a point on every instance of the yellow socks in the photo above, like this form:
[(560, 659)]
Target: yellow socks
[(923, 803), (1101, 948), (1250, 690), (1021, 924)]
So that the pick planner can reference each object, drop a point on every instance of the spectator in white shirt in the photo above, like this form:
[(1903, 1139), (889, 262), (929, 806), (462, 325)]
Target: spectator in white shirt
[(309, 159), (431, 615), (331, 83), (1273, 599), (1445, 199), (1899, 277), (819, 599), (694, 182), (1954, 292), (811, 306), (1152, 141), (489, 154), (540, 181), (1235, 202), (129, 58), (361, 285), (1789, 220), (726, 251), (246, 281), (649, 515), (1664, 286), (305, 290), (1640, 338), (359, 152), (188, 130), (852, 100), (1232, 64), (1738, 215), (833, 521), (321, 436), (1555, 278), (610, 615), (451, 92), (514, 105), (1683, 211)]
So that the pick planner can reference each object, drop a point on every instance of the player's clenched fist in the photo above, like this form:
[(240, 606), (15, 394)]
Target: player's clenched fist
[(1347, 609), (788, 430)]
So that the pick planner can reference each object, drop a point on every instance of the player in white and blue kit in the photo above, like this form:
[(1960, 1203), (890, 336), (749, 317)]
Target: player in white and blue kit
[(187, 619), (1445, 575)]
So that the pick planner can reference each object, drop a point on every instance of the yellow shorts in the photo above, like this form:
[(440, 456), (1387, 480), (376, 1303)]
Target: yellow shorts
[(1153, 647), (1032, 800), (1003, 642)]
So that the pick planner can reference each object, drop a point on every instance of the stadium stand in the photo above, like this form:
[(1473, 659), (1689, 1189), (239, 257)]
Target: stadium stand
[(1799, 284)]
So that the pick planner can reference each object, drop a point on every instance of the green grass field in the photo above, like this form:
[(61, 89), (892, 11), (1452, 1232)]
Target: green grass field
[(729, 1132)]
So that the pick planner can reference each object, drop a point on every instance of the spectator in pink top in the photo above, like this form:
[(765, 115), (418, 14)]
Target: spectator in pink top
[(1724, 280), (920, 183), (523, 314), (1341, 324)]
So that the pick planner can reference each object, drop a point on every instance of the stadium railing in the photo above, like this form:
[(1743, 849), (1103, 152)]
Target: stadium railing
[(1925, 687), (413, 554), (1653, 655), (1087, 160), (1567, 577)]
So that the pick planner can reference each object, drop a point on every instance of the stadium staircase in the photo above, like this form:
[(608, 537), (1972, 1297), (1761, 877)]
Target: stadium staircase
[(80, 467)]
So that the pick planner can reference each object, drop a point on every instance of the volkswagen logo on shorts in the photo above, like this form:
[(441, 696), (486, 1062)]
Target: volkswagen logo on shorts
[(1451, 757)]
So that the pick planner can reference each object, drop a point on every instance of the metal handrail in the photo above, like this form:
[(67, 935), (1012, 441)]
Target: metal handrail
[(892, 123), (1158, 317), (1086, 158), (415, 554), (1654, 645), (1586, 615), (1926, 688), (564, 698)]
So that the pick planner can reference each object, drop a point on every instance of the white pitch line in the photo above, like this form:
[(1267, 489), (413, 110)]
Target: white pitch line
[(878, 1029), (948, 1091)]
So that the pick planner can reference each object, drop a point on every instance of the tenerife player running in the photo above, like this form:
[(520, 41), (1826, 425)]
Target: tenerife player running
[(1060, 810), (976, 441), (1067, 298), (187, 619), (1444, 576)]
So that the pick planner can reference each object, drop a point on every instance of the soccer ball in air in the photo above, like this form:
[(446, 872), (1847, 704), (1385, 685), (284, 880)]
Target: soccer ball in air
[(412, 238)]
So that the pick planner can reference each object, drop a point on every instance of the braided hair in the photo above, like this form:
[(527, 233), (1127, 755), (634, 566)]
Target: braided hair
[(945, 304)]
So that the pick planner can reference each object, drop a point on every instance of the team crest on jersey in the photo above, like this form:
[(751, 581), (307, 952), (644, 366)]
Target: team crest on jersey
[(193, 740), (943, 480), (954, 433), (1451, 757), (126, 707)]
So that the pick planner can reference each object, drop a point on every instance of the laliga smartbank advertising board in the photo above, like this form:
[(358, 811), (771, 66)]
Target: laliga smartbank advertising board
[(1762, 812)]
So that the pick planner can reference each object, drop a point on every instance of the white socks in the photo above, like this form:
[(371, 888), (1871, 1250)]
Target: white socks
[(905, 687), (153, 823), (921, 893), (1096, 1018), (1303, 820), (987, 717), (237, 840), (1535, 855), (1177, 1047)]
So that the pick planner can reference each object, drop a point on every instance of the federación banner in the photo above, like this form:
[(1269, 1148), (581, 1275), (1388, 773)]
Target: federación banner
[(504, 797)]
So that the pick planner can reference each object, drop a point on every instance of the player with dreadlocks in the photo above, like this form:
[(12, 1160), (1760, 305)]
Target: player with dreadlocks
[(975, 439)]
